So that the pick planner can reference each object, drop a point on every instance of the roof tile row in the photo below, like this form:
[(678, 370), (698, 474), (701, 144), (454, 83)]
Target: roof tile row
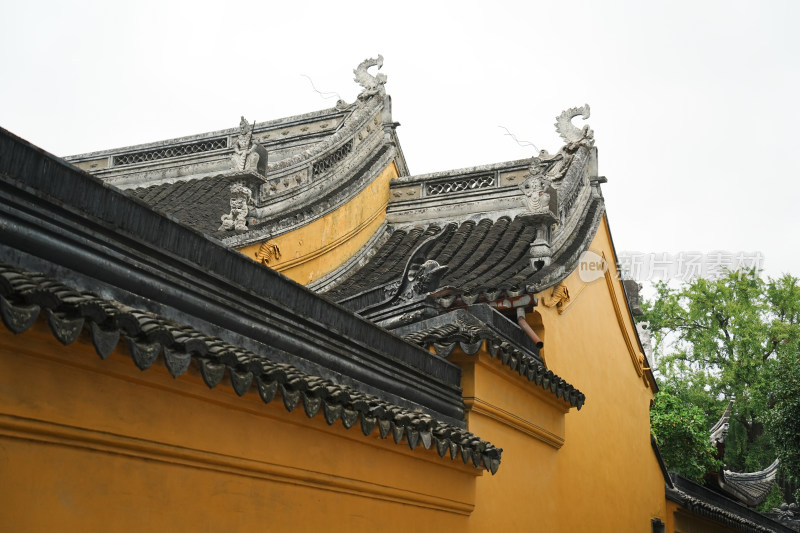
[(483, 256), (471, 337), (25, 295)]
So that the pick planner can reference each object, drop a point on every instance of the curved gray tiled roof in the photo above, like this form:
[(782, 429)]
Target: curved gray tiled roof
[(480, 235), (25, 295), (487, 260), (750, 488), (314, 164), (196, 203)]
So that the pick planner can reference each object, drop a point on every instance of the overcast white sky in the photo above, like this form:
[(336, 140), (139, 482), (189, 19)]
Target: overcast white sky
[(694, 104)]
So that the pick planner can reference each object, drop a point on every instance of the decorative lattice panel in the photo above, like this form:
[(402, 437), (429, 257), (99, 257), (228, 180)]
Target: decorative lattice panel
[(171, 151), (462, 184), (332, 159)]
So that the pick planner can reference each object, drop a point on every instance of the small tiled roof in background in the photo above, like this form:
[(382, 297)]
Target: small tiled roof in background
[(751, 487)]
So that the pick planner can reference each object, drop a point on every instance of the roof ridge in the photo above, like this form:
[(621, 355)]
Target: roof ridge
[(267, 124)]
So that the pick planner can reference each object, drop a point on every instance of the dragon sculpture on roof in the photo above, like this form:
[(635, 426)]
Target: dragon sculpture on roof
[(372, 84), (552, 167), (571, 134)]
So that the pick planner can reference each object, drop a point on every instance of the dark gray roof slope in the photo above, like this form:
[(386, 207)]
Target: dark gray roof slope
[(486, 260), (196, 203), (24, 296), (199, 203), (750, 487)]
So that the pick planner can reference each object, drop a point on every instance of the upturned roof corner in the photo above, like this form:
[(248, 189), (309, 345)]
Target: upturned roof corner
[(748, 488), (495, 233)]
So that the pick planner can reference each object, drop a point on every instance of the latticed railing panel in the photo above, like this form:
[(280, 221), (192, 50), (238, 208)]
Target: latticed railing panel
[(458, 185), (332, 159), (170, 151)]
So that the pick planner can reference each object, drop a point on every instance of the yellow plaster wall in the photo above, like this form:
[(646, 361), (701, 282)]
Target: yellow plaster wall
[(102, 446), (609, 478), (320, 247), (507, 410), (91, 445), (565, 470), (494, 391)]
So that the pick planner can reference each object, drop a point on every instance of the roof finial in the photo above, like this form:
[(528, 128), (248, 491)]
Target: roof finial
[(571, 134), (372, 84)]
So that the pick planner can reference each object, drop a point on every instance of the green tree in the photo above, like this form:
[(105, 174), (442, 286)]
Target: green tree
[(682, 436), (736, 337), (783, 417)]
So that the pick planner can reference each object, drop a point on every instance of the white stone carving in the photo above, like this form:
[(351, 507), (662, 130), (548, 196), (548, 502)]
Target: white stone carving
[(248, 155), (372, 84), (241, 200), (537, 195), (571, 134)]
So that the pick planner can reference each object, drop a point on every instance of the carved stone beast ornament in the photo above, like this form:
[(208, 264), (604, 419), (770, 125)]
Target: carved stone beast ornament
[(423, 279), (241, 200), (413, 296)]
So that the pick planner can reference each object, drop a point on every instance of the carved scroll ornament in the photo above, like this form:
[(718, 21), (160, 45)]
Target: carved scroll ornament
[(268, 252), (558, 298)]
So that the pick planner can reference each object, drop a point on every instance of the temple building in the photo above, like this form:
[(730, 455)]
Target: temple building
[(277, 326)]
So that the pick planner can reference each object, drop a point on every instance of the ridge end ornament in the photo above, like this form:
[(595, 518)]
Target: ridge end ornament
[(540, 195), (372, 84), (541, 201), (571, 134)]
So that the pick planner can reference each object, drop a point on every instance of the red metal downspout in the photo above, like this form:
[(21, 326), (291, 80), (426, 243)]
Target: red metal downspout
[(527, 329)]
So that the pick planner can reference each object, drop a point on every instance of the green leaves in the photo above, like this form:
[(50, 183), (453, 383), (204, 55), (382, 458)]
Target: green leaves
[(682, 436), (736, 337), (782, 420)]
